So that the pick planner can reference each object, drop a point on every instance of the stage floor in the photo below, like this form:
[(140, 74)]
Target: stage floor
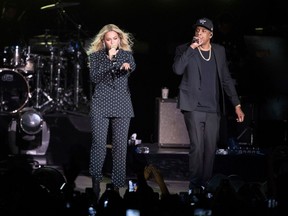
[(70, 139)]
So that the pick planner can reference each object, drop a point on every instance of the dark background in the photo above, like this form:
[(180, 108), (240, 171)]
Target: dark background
[(253, 32)]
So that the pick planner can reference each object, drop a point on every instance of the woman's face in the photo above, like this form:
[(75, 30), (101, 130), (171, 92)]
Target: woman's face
[(111, 39)]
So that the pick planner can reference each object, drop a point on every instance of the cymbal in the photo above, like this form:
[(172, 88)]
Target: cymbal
[(59, 5), (46, 36)]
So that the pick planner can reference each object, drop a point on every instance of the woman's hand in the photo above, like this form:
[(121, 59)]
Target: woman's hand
[(125, 66)]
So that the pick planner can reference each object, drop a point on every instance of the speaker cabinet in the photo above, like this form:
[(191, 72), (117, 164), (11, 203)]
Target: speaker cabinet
[(171, 128)]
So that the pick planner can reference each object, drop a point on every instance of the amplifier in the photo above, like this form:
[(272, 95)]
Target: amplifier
[(171, 128)]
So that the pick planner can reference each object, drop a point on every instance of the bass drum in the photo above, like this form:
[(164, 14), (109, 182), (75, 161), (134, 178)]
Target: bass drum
[(14, 90)]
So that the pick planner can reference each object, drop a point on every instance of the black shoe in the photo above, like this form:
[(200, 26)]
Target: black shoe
[(96, 189)]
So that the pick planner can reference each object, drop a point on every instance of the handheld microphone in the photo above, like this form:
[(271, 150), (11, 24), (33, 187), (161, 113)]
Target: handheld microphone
[(113, 56), (195, 40)]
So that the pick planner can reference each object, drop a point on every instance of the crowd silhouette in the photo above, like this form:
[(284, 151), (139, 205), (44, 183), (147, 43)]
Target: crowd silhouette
[(28, 189)]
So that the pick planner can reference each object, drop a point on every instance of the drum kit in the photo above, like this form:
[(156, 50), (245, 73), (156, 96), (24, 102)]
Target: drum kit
[(47, 75), (44, 82)]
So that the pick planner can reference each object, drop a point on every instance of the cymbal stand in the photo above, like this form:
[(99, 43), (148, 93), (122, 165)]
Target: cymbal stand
[(60, 96), (77, 69), (38, 85), (51, 78), (58, 89), (38, 88)]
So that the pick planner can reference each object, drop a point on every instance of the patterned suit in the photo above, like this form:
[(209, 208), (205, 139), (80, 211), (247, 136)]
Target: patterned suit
[(110, 104)]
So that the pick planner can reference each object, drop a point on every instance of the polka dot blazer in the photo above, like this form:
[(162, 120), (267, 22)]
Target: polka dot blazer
[(111, 96)]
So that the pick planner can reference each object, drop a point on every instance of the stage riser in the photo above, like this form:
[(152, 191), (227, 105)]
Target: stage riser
[(69, 147)]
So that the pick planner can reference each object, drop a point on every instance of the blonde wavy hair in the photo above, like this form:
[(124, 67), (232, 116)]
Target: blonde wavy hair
[(126, 39)]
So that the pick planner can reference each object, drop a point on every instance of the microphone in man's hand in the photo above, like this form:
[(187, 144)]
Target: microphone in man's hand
[(195, 40)]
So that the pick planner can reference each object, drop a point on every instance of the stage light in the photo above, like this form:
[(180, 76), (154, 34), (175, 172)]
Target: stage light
[(29, 133), (31, 122)]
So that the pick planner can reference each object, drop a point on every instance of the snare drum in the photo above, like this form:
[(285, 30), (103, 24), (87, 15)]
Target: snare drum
[(14, 90), (29, 65)]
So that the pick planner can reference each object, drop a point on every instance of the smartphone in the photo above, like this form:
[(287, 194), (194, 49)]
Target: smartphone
[(132, 212), (132, 185)]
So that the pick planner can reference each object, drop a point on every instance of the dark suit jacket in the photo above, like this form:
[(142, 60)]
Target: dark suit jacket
[(188, 64)]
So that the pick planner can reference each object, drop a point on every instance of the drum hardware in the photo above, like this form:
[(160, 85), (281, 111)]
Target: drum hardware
[(59, 5), (29, 66), (58, 88), (45, 76), (13, 57), (17, 57), (55, 72), (51, 78), (65, 98), (78, 90), (77, 69), (76, 58), (39, 92), (53, 95), (6, 58), (45, 40), (29, 63)]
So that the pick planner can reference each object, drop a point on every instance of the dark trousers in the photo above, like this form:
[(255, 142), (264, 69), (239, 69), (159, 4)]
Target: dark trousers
[(120, 129), (203, 131)]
